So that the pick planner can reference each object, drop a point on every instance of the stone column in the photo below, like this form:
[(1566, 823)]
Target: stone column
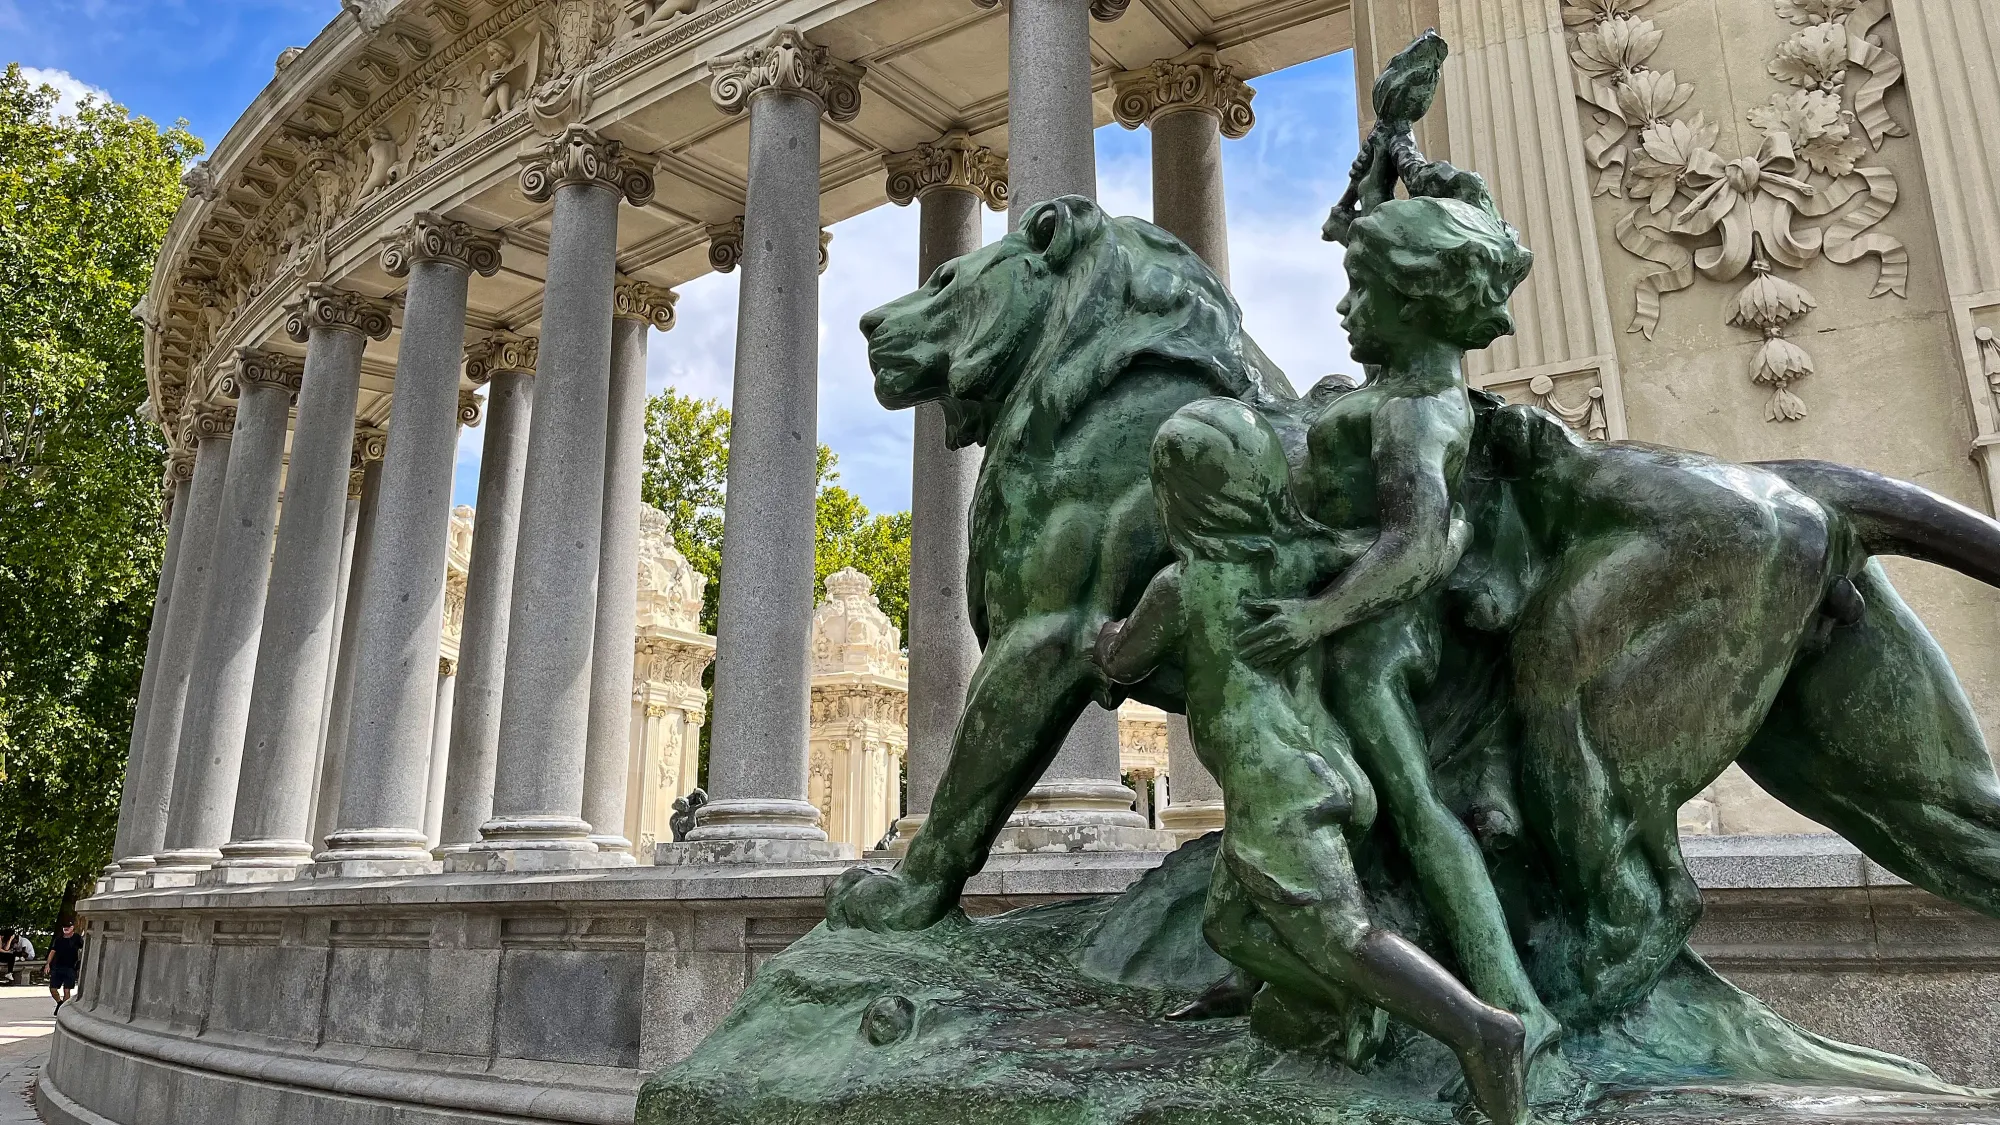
[(364, 492), (387, 762), (441, 713), (1194, 800), (636, 308), (1190, 102), (537, 817), (232, 615), (273, 809), (1050, 149), (178, 485), (949, 179), (209, 428), (757, 762), (505, 362)]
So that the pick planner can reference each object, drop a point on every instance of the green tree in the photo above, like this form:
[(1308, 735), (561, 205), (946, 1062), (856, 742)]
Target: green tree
[(86, 200), (687, 465)]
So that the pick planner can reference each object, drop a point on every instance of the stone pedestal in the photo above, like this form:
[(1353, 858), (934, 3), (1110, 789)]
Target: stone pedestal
[(1194, 799)]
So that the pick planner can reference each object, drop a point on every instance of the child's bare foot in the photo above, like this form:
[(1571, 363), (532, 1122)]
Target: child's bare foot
[(1495, 1066), (1225, 999)]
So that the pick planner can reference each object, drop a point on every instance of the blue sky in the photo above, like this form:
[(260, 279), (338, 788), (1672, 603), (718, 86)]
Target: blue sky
[(204, 60)]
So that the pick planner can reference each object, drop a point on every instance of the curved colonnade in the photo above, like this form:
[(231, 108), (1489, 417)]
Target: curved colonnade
[(440, 195)]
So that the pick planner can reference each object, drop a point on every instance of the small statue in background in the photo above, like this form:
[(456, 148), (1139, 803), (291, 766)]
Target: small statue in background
[(682, 821)]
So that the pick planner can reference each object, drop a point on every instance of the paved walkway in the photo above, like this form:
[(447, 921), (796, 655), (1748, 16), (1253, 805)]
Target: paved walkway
[(26, 1021)]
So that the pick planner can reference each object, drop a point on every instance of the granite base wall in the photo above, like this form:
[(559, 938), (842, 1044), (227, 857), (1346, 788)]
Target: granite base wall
[(453, 1000)]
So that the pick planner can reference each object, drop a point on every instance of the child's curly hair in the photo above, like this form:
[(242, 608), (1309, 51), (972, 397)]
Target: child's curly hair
[(1456, 261)]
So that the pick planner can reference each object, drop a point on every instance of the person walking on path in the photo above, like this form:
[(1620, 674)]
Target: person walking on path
[(65, 962)]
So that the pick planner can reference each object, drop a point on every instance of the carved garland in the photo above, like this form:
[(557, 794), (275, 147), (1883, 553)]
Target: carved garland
[(1709, 214)]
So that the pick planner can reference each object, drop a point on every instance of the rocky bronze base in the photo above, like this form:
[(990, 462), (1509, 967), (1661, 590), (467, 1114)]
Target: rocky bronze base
[(1055, 1015)]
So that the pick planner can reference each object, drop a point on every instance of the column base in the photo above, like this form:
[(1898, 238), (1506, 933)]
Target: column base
[(259, 861), (133, 865), (324, 868), (1071, 814), (504, 860), (702, 853), (160, 878), (180, 868), (117, 884), (227, 875), (369, 853), (1192, 822), (618, 848)]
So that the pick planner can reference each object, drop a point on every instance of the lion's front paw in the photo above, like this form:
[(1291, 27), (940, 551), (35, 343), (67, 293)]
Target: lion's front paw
[(873, 899)]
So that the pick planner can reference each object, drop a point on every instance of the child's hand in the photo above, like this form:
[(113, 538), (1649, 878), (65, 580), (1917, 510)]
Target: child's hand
[(1288, 628)]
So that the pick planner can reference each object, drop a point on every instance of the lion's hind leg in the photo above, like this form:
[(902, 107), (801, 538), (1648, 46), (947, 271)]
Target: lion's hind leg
[(1873, 737)]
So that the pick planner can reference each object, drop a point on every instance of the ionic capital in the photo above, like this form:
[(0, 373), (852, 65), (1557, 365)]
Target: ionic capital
[(502, 351), (211, 420), (637, 300), (323, 306), (470, 406), (951, 161), (431, 237), (180, 468), (447, 666), (1194, 80), (263, 369), (725, 246), (581, 156), (786, 62), (370, 444)]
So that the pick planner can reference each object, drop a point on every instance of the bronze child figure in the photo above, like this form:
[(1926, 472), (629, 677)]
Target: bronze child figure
[(1285, 904)]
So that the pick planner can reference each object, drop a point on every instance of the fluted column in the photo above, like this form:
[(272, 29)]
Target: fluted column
[(948, 179), (387, 763), (232, 616), (637, 308), (364, 492), (505, 362), (757, 762), (210, 428), (273, 810), (537, 817), (177, 486), (1190, 102)]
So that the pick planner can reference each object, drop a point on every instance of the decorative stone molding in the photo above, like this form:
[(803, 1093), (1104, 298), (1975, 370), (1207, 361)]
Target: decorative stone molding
[(323, 306), (263, 369), (638, 300), (431, 237), (581, 156), (670, 588), (457, 568), (1989, 360), (370, 443), (470, 406), (562, 98), (502, 351), (179, 468), (1142, 740), (825, 242), (1193, 80), (447, 667), (860, 712), (1575, 395), (725, 245), (951, 161), (670, 653), (786, 62), (1710, 214)]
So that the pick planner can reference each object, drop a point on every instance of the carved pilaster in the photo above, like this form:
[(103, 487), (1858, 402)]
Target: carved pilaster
[(263, 369), (323, 306), (580, 156), (502, 351), (470, 406), (637, 300), (787, 62), (1192, 80), (430, 237), (951, 161), (725, 245)]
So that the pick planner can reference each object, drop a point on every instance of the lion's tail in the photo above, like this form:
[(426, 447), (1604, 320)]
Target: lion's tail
[(1895, 517)]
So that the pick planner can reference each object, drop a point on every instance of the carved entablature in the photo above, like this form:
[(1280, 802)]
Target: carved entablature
[(502, 351), (1190, 81), (431, 237), (324, 306), (951, 161), (637, 300), (263, 369), (786, 62), (580, 156)]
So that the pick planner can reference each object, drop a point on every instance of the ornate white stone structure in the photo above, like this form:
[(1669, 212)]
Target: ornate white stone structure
[(860, 713), (1765, 229)]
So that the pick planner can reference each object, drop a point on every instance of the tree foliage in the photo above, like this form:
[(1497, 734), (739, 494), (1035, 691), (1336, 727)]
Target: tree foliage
[(84, 204), (687, 465)]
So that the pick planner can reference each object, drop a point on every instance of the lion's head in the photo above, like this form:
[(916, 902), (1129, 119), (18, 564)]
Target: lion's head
[(1059, 309)]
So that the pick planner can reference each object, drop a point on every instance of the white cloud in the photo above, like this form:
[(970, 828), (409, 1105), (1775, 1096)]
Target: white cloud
[(70, 89)]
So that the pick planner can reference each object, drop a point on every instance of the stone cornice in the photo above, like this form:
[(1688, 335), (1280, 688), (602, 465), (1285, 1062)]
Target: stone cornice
[(263, 369), (502, 351), (1190, 81), (431, 237), (951, 161), (581, 156), (637, 300), (786, 62), (323, 306), (470, 407)]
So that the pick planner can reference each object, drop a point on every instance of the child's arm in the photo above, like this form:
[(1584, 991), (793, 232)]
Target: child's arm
[(1129, 650)]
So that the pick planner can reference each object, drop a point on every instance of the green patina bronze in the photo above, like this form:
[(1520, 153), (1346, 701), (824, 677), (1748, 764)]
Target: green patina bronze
[(1455, 668)]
